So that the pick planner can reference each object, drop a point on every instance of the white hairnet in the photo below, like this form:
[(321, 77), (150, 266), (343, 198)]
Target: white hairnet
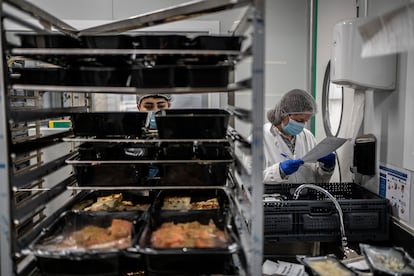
[(295, 101), (168, 97)]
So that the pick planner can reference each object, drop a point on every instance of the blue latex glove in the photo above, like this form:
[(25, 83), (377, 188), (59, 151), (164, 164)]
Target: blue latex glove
[(328, 161), (290, 166)]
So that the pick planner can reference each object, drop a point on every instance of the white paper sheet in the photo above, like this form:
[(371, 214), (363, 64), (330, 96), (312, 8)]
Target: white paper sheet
[(281, 268), (325, 147)]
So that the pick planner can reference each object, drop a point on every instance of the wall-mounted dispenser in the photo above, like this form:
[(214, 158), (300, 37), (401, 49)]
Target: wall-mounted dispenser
[(364, 154), (348, 68)]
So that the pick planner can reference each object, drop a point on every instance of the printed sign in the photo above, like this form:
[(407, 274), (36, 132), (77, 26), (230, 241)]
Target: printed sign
[(394, 184)]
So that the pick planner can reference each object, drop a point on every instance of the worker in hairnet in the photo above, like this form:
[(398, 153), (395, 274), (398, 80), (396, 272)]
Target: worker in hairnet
[(286, 140), (153, 102)]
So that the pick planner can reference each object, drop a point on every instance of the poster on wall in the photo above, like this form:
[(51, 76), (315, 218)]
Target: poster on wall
[(395, 185)]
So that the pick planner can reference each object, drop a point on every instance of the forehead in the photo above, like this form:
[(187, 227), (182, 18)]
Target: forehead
[(301, 116), (154, 100)]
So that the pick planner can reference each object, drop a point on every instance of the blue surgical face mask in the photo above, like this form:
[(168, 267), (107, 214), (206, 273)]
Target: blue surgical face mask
[(151, 122), (293, 127)]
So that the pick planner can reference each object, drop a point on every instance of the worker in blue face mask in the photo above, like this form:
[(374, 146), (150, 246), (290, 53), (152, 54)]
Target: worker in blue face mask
[(286, 139), (152, 103)]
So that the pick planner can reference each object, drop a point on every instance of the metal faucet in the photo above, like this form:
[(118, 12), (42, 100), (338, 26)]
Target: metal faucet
[(348, 252)]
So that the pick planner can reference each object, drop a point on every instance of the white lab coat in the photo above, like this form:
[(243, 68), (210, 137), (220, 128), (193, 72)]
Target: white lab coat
[(274, 149)]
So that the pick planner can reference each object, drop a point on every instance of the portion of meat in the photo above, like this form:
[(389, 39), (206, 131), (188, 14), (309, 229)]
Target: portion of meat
[(118, 235), (191, 234)]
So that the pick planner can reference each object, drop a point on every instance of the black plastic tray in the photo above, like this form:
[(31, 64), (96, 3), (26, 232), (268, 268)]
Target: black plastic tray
[(210, 42), (209, 150), (208, 75), (48, 41), (192, 123), (188, 261), (40, 76), (196, 196), (116, 151), (333, 265), (133, 196), (192, 174), (160, 42), (85, 262), (73, 76), (111, 174), (313, 217), (162, 76), (108, 124), (107, 41)]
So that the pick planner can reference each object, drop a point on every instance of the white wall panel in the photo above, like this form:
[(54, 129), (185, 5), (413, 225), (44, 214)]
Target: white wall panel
[(77, 9)]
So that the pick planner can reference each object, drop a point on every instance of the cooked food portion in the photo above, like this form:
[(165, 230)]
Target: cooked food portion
[(177, 203), (191, 234), (207, 204), (113, 202), (184, 203), (329, 267), (118, 236)]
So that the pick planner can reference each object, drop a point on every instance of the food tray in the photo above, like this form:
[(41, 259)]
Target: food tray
[(48, 41), (209, 150), (193, 174), (73, 76), (40, 76), (313, 217), (160, 42), (388, 260), (107, 41), (325, 265), (52, 260), (110, 174), (208, 75), (116, 151), (171, 201), (114, 201), (206, 42), (192, 123), (188, 260), (176, 150), (190, 150), (161, 76), (98, 76), (108, 124)]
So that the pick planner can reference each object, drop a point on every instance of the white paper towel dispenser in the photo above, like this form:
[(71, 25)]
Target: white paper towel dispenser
[(348, 68)]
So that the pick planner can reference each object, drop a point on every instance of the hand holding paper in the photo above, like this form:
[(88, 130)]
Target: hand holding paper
[(325, 147)]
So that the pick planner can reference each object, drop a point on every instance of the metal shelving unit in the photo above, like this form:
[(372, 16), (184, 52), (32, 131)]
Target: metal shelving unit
[(24, 198)]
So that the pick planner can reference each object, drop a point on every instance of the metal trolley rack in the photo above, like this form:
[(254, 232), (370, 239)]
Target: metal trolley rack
[(24, 191)]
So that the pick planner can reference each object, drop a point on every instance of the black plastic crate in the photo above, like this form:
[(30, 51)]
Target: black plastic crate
[(53, 259), (192, 123), (313, 217), (109, 124)]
